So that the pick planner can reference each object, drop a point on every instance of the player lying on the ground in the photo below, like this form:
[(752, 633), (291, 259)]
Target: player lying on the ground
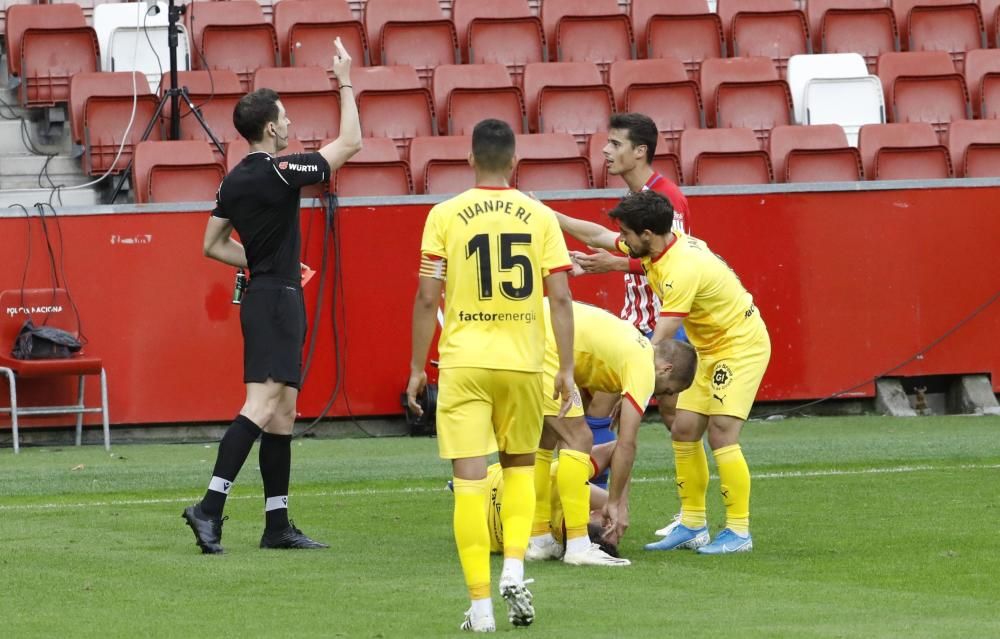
[(598, 460)]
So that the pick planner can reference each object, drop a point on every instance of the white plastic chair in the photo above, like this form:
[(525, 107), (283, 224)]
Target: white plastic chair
[(804, 68), (849, 102), (122, 31)]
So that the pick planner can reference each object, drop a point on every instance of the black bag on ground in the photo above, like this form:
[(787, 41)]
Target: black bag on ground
[(44, 342)]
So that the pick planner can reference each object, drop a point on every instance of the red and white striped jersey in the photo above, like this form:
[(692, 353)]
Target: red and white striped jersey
[(642, 307)]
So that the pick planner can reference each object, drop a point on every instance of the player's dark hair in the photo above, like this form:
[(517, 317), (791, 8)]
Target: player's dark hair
[(492, 145), (684, 358), (252, 113), (645, 210), (640, 129)]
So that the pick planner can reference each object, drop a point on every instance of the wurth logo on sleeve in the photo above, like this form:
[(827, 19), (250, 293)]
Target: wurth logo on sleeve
[(302, 168)]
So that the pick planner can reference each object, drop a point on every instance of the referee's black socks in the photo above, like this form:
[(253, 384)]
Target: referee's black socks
[(275, 467), (233, 451)]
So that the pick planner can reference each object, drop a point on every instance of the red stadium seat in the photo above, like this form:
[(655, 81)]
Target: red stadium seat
[(594, 31), (990, 96), (505, 33), (773, 28), (311, 104), (464, 94), (760, 106), (566, 174), (46, 46), (817, 153), (955, 26), (567, 97), (232, 35), (723, 156), (175, 171), (867, 27), (214, 94), (441, 164), (375, 170), (741, 76), (988, 9), (566, 168), (903, 151), (411, 32), (978, 64), (100, 105), (660, 89), (974, 146), (306, 30), (683, 29), (924, 87), (393, 103), (665, 163)]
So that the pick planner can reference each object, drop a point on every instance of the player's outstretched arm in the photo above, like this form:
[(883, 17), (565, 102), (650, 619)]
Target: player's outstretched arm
[(218, 244), (424, 321), (602, 261), (348, 142), (561, 307), (589, 233)]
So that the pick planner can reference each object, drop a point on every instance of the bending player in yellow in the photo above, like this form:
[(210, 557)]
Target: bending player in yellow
[(491, 249), (610, 356), (696, 287)]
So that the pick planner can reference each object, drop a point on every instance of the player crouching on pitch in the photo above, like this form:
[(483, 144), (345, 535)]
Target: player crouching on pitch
[(610, 355)]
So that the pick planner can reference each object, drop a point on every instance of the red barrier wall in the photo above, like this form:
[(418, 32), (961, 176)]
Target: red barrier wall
[(849, 283)]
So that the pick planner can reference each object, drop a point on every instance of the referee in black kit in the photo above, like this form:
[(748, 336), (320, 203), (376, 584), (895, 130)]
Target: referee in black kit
[(260, 199)]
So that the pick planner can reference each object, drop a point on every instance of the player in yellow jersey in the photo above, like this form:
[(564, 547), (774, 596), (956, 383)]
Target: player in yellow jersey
[(698, 289), (610, 356), (493, 250)]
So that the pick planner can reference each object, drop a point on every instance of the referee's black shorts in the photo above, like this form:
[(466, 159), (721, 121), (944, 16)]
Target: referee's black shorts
[(273, 319)]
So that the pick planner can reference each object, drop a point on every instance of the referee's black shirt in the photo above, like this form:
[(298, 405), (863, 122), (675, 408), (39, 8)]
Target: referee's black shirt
[(260, 197)]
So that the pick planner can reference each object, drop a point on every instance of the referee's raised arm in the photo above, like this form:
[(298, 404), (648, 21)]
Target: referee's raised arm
[(348, 142)]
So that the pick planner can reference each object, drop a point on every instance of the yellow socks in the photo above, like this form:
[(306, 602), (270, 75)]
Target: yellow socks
[(472, 536), (574, 492), (543, 493), (734, 475), (517, 510), (692, 482)]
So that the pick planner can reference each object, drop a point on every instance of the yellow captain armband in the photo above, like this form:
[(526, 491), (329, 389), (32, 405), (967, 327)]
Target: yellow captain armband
[(433, 266)]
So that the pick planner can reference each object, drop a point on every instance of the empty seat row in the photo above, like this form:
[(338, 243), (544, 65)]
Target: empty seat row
[(439, 165), (571, 98)]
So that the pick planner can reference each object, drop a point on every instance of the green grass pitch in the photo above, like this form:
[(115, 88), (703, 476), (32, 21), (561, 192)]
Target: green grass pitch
[(863, 527)]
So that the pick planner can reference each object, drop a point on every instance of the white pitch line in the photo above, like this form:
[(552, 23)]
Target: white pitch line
[(361, 492)]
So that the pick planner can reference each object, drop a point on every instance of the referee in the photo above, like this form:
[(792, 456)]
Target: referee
[(260, 200)]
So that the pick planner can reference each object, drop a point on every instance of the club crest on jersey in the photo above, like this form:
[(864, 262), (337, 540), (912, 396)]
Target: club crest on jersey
[(722, 376)]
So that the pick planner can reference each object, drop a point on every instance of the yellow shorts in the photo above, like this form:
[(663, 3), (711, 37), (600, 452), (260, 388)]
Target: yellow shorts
[(727, 383), (482, 410), (551, 407)]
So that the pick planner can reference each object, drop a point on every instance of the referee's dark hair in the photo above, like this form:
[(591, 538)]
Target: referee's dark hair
[(641, 131), (645, 210), (254, 111), (493, 145)]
